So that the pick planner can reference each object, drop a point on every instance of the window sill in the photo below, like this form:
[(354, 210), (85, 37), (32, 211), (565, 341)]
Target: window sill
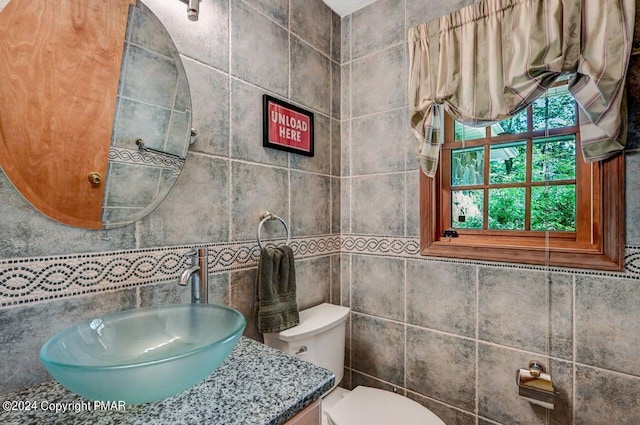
[(606, 254), (579, 258)]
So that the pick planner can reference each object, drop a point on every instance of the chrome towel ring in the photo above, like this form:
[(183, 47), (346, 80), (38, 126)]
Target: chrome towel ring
[(266, 216)]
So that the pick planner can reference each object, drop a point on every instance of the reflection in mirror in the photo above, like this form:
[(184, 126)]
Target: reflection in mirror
[(152, 126), (85, 81)]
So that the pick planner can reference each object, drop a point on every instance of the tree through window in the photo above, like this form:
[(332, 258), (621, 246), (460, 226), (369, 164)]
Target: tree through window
[(521, 187)]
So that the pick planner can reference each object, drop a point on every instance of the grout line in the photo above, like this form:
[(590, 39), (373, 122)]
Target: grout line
[(331, 31), (278, 95), (261, 164), (490, 421), (138, 297), (331, 119), (251, 84), (332, 279), (350, 39), (439, 402), (601, 369), (575, 350), (229, 294), (351, 316), (406, 279), (548, 281), (411, 325), (375, 52), (289, 30), (477, 334), (520, 350), (384, 111), (289, 47), (350, 227), (289, 155), (231, 203), (230, 179), (383, 173)]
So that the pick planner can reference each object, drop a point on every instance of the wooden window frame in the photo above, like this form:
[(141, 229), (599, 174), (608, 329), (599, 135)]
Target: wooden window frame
[(600, 246)]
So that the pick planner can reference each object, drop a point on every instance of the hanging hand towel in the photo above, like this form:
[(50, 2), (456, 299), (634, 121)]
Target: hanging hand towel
[(276, 307)]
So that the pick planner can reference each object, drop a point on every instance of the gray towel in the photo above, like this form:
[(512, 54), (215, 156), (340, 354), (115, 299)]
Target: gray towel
[(276, 307)]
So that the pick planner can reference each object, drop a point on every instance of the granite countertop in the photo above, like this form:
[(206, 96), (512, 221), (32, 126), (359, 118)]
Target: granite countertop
[(256, 385)]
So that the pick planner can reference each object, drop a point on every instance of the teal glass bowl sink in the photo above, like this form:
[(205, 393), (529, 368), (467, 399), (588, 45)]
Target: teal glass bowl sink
[(143, 355)]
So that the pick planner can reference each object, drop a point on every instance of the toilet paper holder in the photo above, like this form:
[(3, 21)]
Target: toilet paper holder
[(535, 385), (535, 368)]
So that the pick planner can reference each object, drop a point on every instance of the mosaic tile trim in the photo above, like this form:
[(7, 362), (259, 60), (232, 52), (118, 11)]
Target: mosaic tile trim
[(27, 280), (409, 247), (129, 156), (632, 260), (381, 245)]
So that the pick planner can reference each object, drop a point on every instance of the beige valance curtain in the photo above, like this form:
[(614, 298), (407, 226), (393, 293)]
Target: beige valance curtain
[(488, 61)]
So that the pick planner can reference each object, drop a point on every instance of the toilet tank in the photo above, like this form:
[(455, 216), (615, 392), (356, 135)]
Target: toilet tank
[(319, 338)]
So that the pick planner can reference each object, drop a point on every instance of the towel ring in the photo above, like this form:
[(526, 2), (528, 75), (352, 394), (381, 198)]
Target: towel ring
[(266, 216)]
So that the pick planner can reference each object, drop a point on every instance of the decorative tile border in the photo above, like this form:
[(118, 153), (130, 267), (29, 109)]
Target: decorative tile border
[(129, 156), (28, 280), (632, 260), (387, 246), (409, 247)]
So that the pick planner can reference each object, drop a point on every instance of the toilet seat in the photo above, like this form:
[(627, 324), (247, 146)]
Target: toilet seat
[(371, 406)]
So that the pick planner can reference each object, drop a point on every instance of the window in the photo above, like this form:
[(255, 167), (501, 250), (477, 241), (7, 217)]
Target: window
[(519, 191)]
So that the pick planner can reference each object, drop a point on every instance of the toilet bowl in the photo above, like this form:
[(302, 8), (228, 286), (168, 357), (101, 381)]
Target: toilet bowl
[(371, 406), (319, 338)]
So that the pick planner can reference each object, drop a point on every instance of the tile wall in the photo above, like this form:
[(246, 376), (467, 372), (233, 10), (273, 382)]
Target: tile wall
[(52, 275), (153, 106), (451, 334)]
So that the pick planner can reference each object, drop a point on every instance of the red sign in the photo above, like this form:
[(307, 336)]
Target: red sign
[(287, 127)]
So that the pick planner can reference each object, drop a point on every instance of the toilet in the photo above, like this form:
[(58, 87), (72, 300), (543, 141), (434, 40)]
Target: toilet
[(319, 339)]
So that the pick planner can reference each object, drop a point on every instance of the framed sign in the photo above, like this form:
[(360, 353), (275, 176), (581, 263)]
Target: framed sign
[(287, 127)]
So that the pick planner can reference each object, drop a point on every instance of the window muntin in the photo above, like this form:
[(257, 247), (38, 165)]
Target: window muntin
[(597, 214), (529, 182), (537, 194)]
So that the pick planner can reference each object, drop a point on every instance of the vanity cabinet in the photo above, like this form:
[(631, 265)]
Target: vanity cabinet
[(311, 415)]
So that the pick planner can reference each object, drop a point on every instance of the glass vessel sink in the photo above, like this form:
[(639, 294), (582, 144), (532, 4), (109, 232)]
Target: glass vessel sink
[(143, 355)]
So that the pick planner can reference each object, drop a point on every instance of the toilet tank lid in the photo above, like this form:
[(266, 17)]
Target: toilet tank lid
[(315, 320)]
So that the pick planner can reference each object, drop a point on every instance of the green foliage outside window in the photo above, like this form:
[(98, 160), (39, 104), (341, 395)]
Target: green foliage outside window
[(553, 163)]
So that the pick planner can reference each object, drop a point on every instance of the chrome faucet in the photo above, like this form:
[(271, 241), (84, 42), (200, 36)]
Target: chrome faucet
[(198, 275)]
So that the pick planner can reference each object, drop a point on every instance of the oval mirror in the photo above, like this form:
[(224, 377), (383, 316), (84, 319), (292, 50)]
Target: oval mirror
[(95, 111)]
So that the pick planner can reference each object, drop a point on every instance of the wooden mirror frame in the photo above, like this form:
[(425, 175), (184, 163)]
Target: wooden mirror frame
[(61, 61)]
